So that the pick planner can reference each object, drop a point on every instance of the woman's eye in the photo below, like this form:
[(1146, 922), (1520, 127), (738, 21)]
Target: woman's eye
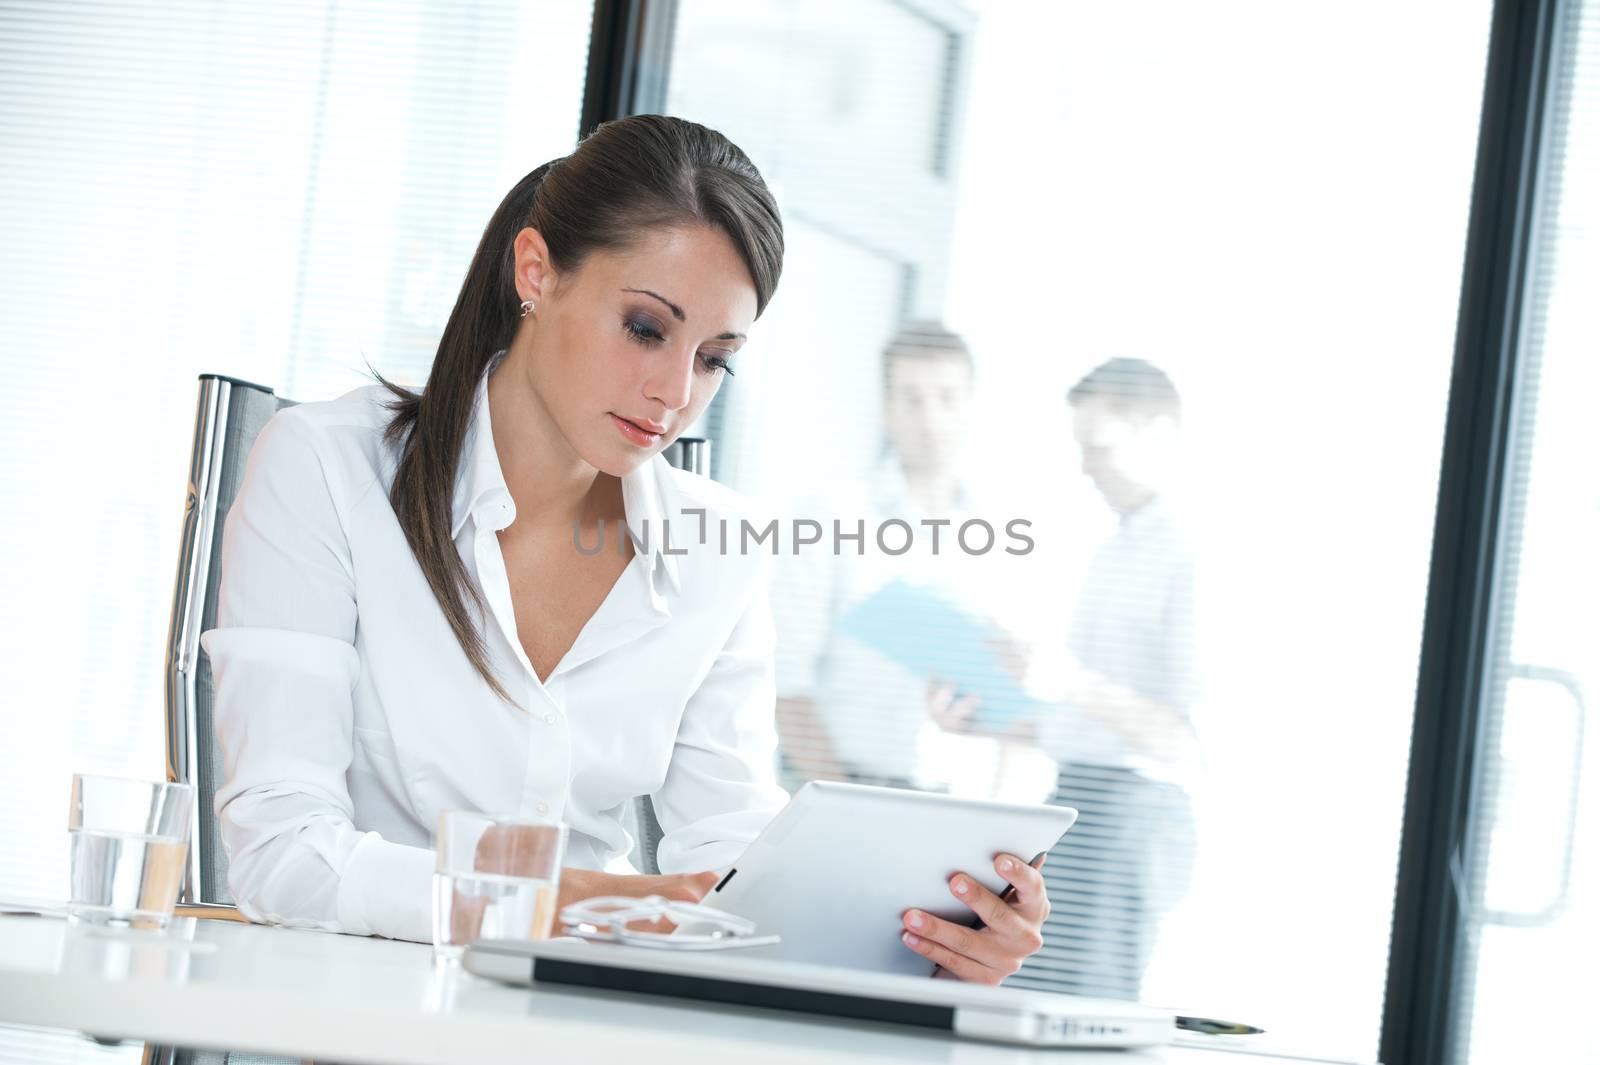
[(642, 332), (717, 362)]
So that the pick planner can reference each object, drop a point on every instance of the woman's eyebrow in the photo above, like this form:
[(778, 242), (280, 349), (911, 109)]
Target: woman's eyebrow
[(677, 312)]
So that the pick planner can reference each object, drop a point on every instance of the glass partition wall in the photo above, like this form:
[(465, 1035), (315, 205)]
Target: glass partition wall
[(1175, 286)]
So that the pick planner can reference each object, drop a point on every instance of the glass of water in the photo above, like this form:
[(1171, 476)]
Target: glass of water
[(494, 878), (129, 845)]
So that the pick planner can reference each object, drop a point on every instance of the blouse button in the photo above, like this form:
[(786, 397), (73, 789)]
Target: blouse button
[(543, 808), (549, 719)]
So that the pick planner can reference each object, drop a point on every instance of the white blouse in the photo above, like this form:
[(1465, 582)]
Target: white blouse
[(349, 717)]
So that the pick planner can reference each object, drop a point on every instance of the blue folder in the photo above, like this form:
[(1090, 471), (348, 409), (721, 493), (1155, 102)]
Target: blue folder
[(930, 634)]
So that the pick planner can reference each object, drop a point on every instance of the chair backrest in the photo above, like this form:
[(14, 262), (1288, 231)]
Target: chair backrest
[(229, 416)]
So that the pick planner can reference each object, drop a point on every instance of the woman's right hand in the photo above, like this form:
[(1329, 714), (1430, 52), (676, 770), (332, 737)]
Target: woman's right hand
[(579, 884), (505, 847)]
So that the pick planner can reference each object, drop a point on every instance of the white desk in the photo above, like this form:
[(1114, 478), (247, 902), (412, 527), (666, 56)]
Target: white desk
[(217, 984)]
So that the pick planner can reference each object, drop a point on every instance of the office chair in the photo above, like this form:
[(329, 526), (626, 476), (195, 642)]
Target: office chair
[(230, 415)]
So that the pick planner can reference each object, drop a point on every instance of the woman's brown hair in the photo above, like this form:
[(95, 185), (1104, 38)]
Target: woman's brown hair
[(626, 179)]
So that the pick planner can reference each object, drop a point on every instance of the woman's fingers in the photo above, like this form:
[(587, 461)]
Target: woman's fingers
[(697, 885), (957, 965), (1010, 931), (578, 884), (964, 941), (680, 887), (992, 910), (1029, 899), (978, 946)]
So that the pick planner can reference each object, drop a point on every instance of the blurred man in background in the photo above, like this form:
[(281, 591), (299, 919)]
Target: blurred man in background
[(1124, 738), (1121, 734), (847, 711)]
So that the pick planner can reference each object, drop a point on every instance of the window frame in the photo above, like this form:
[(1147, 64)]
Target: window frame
[(1430, 949)]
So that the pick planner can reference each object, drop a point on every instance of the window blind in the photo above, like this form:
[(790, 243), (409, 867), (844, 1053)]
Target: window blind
[(286, 193)]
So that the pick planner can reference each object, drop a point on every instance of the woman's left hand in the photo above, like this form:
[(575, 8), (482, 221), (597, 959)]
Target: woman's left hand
[(1009, 934)]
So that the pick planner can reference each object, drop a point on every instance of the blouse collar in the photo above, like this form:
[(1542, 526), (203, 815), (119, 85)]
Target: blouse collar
[(481, 494)]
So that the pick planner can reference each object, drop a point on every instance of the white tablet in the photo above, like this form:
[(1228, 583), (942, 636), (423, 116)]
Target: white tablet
[(834, 871)]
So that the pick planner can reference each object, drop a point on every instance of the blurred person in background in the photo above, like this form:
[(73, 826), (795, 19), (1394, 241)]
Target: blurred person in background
[(847, 711), (1121, 732)]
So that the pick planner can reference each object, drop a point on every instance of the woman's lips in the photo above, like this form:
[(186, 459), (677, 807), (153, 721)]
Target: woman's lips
[(636, 434)]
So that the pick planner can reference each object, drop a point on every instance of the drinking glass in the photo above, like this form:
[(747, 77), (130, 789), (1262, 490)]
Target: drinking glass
[(129, 846), (494, 878)]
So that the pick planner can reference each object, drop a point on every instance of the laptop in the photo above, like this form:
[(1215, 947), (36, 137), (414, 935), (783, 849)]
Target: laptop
[(970, 1011)]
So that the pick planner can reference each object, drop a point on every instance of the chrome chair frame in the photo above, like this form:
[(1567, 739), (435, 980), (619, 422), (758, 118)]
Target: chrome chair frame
[(222, 439), (220, 445)]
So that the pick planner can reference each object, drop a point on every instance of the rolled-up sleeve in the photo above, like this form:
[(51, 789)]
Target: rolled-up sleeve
[(284, 664), (721, 788)]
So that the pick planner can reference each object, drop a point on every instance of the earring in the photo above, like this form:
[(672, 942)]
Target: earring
[(527, 308)]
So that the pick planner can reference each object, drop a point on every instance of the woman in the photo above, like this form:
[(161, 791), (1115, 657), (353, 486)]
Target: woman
[(407, 625)]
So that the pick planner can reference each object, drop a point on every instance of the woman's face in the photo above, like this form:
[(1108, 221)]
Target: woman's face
[(628, 350)]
